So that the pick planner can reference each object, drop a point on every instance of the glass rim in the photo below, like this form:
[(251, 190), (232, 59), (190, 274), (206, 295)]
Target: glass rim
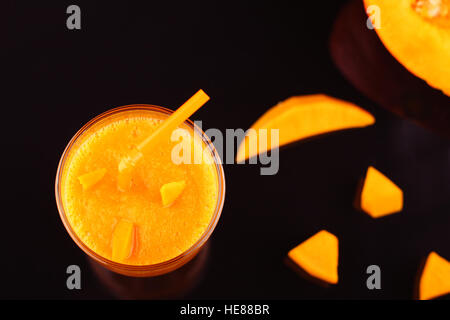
[(172, 263)]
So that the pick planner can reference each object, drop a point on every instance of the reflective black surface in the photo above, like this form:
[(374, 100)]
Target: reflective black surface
[(247, 57)]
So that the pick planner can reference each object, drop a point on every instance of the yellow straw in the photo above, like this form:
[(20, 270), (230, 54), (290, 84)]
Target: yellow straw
[(127, 163), (178, 117)]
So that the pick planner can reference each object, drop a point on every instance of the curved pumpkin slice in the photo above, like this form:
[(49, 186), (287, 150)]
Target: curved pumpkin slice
[(417, 34), (380, 196), (435, 278), (302, 117), (318, 256)]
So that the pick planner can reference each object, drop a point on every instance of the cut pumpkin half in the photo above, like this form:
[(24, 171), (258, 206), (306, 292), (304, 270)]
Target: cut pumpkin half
[(417, 34), (301, 117)]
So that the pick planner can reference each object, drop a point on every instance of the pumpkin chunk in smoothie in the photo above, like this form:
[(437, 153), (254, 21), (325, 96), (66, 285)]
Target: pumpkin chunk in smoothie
[(123, 240), (171, 191), (89, 179)]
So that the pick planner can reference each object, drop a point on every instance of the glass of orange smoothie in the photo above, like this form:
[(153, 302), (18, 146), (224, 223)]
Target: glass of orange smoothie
[(136, 232)]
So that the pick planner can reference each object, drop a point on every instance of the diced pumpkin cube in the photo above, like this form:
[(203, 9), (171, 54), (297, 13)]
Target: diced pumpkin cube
[(89, 179), (435, 278), (171, 191), (380, 196), (123, 240), (318, 256), (416, 33)]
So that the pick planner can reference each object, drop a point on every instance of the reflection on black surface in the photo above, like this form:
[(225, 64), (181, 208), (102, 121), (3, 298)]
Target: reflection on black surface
[(303, 274), (367, 64), (416, 292), (173, 285)]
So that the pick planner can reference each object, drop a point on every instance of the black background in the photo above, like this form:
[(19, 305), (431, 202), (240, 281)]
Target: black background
[(247, 57)]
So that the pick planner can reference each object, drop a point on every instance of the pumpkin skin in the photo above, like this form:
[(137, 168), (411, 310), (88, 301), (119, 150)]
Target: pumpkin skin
[(419, 42)]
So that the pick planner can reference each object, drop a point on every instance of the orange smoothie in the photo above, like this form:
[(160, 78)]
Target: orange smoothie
[(168, 208)]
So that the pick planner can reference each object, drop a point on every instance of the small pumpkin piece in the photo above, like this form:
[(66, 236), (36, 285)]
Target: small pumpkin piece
[(123, 240), (380, 196), (435, 278), (89, 179), (171, 191), (435, 11), (318, 256)]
